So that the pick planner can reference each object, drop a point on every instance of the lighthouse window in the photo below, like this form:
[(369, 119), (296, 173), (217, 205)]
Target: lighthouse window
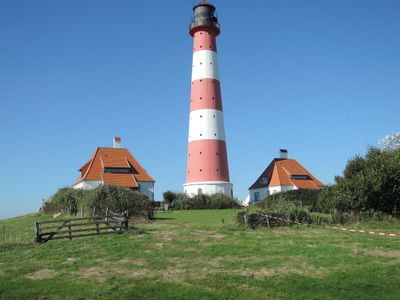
[(201, 152), (213, 116), (210, 63), (201, 98), (201, 46), (201, 33), (213, 98), (201, 134), (217, 170), (201, 63), (215, 134), (201, 116), (201, 170)]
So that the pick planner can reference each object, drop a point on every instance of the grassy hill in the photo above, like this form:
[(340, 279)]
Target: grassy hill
[(200, 254)]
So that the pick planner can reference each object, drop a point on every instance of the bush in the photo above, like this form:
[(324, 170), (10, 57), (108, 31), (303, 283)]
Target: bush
[(181, 202), (116, 198), (368, 183), (300, 197), (325, 210), (202, 201), (169, 197)]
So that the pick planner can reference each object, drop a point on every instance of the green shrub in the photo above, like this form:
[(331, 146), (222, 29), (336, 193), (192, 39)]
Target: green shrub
[(169, 197), (181, 202), (368, 183), (299, 197), (202, 201), (116, 198)]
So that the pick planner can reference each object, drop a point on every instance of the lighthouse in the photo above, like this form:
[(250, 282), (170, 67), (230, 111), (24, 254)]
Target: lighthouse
[(207, 162)]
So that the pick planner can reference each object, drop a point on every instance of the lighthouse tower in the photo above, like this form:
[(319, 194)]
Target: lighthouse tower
[(207, 162)]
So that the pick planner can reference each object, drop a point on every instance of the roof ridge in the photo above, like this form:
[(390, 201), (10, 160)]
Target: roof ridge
[(91, 164), (266, 170)]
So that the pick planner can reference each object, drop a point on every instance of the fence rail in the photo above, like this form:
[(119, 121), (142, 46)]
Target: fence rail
[(111, 223)]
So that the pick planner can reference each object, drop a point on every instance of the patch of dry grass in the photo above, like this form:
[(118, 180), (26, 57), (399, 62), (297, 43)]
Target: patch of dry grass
[(42, 274)]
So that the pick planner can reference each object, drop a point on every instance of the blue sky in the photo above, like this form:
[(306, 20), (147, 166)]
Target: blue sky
[(320, 78)]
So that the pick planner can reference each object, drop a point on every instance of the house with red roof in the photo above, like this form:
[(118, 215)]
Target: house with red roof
[(115, 166), (282, 174)]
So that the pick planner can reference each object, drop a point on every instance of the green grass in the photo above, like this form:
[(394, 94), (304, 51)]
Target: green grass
[(200, 255)]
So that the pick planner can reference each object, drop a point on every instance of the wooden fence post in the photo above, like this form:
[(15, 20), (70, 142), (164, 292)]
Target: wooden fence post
[(69, 230), (82, 211), (38, 238), (107, 212), (94, 211), (268, 221), (126, 217), (4, 232)]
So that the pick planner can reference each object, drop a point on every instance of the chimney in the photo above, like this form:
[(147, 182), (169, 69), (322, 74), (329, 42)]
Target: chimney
[(117, 142), (283, 153)]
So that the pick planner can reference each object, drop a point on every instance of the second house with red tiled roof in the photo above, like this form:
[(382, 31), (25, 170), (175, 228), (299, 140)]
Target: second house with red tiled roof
[(282, 174), (115, 166)]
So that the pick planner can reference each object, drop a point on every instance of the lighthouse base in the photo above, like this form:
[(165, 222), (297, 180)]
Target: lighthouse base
[(208, 187)]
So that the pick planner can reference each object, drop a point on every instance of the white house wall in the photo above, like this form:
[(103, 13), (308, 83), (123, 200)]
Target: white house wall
[(281, 188), (87, 185), (263, 192)]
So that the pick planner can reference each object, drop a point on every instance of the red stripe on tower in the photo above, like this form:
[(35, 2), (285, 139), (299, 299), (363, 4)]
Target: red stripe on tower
[(207, 161)]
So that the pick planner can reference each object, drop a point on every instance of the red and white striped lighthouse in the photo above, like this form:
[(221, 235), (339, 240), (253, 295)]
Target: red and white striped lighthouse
[(207, 162)]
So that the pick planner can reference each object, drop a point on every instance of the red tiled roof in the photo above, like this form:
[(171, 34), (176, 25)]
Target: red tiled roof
[(127, 180), (279, 173), (114, 158)]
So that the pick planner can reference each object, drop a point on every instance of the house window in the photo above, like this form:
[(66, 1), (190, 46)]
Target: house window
[(264, 180), (256, 197), (117, 170), (300, 177)]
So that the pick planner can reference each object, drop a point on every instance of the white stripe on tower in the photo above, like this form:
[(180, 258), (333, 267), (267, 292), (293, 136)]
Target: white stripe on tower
[(205, 65), (206, 124)]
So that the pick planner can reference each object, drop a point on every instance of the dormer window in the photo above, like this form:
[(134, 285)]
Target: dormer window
[(300, 177), (117, 170), (264, 180)]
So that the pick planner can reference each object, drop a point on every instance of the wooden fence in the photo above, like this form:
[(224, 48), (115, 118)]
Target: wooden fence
[(79, 227)]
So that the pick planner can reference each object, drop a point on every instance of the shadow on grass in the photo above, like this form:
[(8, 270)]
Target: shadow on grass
[(162, 219), (12, 246), (132, 230)]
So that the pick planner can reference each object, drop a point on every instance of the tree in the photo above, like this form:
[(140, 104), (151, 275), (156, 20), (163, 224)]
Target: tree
[(390, 141), (169, 197), (370, 182)]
